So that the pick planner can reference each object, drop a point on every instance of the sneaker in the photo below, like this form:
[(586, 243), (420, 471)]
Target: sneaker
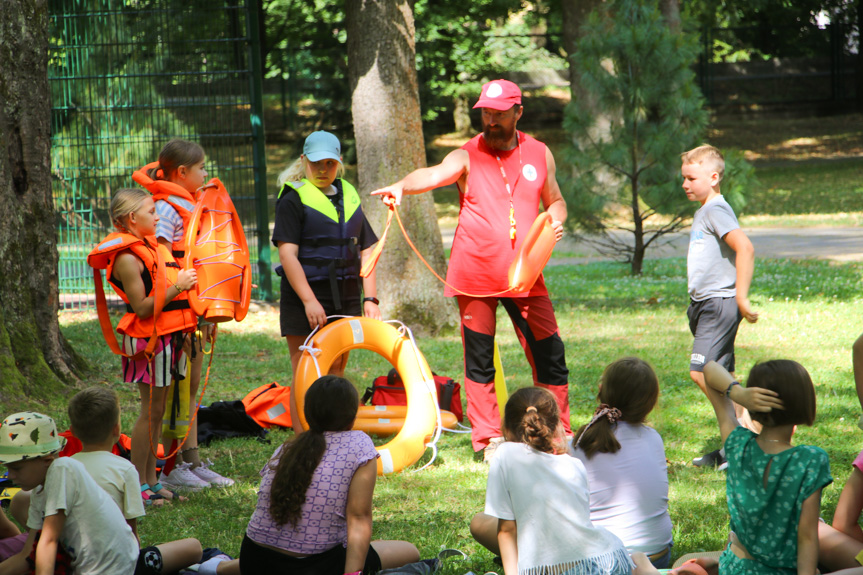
[(204, 472), (712, 459), (488, 452), (211, 566), (182, 477)]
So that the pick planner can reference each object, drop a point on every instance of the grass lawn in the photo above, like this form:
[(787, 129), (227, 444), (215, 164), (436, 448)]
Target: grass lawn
[(604, 314)]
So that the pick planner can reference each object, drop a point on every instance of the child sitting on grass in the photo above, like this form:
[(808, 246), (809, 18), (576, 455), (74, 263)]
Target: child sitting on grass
[(625, 461), (537, 513), (94, 414), (773, 487), (68, 510), (314, 510)]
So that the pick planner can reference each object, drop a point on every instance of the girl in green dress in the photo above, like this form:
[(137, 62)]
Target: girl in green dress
[(773, 487)]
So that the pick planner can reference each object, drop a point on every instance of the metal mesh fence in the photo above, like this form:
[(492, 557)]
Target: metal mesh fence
[(737, 66), (126, 77)]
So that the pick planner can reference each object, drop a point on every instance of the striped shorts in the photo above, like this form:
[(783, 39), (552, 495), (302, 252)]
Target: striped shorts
[(156, 372)]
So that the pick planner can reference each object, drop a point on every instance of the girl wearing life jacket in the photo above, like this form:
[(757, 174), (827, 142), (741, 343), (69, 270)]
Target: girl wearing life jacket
[(322, 236), (132, 272), (174, 181)]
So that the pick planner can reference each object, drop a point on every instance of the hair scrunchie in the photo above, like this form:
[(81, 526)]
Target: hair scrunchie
[(604, 410)]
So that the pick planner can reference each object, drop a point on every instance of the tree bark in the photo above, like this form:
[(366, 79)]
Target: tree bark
[(35, 359), (671, 13), (858, 68), (389, 139)]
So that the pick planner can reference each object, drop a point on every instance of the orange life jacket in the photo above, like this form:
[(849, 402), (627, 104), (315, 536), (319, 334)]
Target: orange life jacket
[(161, 272), (170, 192)]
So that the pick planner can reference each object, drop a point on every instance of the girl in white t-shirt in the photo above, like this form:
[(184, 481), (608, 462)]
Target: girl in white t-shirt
[(537, 514), (625, 461)]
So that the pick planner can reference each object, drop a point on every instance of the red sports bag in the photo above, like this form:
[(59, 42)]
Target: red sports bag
[(389, 390)]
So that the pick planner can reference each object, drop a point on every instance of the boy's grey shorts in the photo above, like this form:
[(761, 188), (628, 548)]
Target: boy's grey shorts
[(714, 324)]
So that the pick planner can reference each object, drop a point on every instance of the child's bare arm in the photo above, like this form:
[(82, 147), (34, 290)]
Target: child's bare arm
[(46, 549), (721, 386), (745, 264), (807, 535), (507, 532)]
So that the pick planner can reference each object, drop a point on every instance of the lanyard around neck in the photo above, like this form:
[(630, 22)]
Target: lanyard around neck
[(511, 189)]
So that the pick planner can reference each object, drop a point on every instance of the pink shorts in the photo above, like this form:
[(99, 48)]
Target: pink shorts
[(858, 462), (156, 372)]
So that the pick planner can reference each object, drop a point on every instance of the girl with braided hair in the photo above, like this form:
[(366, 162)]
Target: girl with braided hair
[(625, 461), (537, 514)]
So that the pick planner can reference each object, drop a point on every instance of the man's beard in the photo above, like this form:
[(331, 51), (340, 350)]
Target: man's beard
[(498, 137)]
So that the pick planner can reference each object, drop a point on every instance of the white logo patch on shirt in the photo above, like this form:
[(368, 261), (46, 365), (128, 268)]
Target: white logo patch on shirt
[(529, 172), (494, 90)]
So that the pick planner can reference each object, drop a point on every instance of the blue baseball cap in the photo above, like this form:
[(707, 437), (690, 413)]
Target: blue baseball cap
[(322, 146)]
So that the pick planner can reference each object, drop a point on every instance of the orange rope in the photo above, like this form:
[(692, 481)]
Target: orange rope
[(155, 448), (423, 260)]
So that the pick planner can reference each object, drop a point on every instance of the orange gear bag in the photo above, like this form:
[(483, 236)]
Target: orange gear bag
[(269, 405)]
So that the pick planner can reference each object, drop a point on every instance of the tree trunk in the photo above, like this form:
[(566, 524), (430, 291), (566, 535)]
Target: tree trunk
[(461, 114), (575, 13), (35, 359), (671, 13), (858, 68), (389, 137)]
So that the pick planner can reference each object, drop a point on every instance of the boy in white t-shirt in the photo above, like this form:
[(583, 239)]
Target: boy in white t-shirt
[(94, 414), (68, 510)]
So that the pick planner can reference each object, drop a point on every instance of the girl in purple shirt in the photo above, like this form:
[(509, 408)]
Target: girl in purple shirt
[(314, 510)]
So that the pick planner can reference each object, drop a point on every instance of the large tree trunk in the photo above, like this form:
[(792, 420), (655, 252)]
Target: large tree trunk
[(34, 357), (389, 136), (671, 13)]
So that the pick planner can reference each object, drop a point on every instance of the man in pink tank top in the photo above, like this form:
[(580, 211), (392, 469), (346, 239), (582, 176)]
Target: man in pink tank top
[(502, 176)]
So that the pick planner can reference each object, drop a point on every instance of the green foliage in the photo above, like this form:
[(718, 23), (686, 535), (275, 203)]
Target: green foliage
[(738, 181), (461, 46), (767, 29), (305, 45), (636, 110)]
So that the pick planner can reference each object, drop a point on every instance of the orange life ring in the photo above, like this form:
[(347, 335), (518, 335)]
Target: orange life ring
[(534, 253), (384, 420), (346, 334), (216, 247)]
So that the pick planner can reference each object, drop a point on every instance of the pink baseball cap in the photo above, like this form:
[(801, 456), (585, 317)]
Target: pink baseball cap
[(499, 95)]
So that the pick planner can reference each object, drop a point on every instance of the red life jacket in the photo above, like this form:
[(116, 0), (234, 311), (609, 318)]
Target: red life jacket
[(162, 272), (169, 192)]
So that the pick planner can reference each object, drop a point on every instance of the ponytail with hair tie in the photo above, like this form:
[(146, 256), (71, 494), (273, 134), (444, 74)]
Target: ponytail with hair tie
[(531, 408), (604, 410)]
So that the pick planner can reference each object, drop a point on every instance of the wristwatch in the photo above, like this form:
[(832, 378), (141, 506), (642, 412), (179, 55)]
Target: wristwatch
[(374, 300)]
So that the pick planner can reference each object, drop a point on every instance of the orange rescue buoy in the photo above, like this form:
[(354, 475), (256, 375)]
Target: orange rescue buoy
[(534, 253), (216, 247), (349, 333), (384, 420)]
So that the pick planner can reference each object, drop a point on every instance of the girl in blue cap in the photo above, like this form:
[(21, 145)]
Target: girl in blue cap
[(322, 236)]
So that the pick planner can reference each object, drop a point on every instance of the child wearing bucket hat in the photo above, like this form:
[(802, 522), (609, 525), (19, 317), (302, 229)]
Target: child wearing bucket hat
[(68, 510), (323, 237)]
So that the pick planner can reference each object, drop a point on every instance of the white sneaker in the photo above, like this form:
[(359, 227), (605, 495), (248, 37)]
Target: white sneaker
[(182, 477), (204, 472)]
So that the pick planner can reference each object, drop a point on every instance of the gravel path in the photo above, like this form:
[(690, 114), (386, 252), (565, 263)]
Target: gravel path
[(838, 244)]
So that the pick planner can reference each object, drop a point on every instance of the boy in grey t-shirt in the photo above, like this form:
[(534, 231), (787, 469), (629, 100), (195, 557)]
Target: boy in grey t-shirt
[(719, 271)]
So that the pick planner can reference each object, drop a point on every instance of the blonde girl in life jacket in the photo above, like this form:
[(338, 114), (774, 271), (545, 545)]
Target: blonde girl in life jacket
[(175, 180), (133, 212), (323, 237)]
